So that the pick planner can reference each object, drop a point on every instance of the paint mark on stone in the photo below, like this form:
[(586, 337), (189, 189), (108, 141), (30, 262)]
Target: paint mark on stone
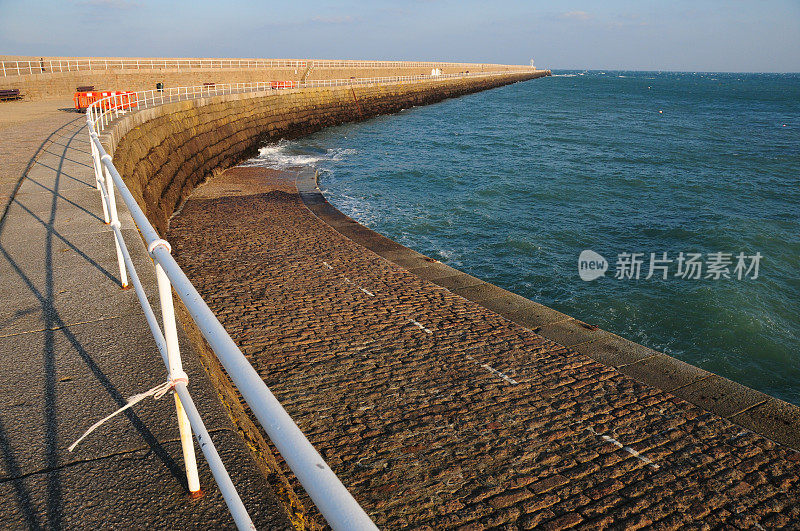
[(494, 371), (347, 280), (419, 325), (628, 449)]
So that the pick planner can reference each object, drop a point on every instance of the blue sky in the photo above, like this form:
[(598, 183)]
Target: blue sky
[(709, 35)]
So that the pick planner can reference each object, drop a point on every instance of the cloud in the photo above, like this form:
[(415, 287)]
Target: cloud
[(577, 15), (630, 20)]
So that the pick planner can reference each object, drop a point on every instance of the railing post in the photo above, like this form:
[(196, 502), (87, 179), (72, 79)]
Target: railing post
[(176, 372), (98, 177), (112, 211)]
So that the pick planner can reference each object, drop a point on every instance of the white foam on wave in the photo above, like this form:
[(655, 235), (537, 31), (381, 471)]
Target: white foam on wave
[(340, 153), (286, 154)]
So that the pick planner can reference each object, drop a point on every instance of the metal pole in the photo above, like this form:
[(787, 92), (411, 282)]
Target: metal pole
[(176, 371), (112, 210), (98, 177), (229, 494)]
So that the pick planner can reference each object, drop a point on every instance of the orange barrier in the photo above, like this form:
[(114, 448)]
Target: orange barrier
[(123, 100), (282, 84)]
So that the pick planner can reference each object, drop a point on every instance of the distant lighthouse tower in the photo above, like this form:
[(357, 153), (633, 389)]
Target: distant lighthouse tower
[(532, 65)]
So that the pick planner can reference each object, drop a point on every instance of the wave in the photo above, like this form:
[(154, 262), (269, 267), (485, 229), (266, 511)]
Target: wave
[(287, 154)]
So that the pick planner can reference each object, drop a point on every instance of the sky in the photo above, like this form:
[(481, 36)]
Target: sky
[(699, 35)]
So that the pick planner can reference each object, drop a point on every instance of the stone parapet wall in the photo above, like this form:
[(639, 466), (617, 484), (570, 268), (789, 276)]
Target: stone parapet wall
[(165, 151)]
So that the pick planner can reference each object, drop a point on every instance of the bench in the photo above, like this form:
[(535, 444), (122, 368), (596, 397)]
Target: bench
[(9, 94), (85, 88), (209, 84)]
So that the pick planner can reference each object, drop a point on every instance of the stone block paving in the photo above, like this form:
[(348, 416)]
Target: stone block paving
[(437, 413)]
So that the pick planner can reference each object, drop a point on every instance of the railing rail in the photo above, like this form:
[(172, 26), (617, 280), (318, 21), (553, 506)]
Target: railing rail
[(332, 499), (52, 65)]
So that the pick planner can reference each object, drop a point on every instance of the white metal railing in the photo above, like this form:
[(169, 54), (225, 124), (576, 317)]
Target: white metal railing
[(332, 499), (51, 65), (103, 112)]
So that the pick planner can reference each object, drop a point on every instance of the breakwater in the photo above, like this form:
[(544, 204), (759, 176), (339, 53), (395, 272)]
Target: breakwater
[(165, 151), (592, 411)]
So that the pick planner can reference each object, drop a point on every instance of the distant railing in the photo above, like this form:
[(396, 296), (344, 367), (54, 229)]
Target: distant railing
[(51, 65)]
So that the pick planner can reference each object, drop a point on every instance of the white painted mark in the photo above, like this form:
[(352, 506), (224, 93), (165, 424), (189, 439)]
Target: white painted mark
[(499, 374), (419, 325), (628, 449), (346, 279), (494, 371)]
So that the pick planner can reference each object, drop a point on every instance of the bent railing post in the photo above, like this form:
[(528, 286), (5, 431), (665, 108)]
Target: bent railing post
[(98, 178), (229, 494), (176, 371), (112, 212)]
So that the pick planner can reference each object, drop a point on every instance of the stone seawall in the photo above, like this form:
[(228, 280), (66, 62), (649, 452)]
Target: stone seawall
[(164, 152)]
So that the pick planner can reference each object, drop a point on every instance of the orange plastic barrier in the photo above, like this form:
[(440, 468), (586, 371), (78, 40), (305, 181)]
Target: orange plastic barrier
[(282, 84), (123, 100)]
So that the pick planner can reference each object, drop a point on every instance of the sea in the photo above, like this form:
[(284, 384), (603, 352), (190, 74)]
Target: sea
[(660, 206)]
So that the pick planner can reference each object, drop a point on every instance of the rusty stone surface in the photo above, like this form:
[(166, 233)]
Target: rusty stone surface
[(438, 413)]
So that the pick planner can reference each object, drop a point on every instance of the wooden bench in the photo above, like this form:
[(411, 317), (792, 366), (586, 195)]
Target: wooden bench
[(209, 84), (85, 88), (9, 94)]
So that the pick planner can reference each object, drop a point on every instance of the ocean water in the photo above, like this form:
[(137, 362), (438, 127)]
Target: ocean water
[(512, 184)]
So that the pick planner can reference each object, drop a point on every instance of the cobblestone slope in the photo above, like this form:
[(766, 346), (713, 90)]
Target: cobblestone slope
[(438, 413)]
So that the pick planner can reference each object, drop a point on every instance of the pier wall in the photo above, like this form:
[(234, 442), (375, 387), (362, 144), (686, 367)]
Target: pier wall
[(42, 84), (165, 151)]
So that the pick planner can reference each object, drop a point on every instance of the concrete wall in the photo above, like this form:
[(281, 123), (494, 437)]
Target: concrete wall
[(164, 152), (40, 85)]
